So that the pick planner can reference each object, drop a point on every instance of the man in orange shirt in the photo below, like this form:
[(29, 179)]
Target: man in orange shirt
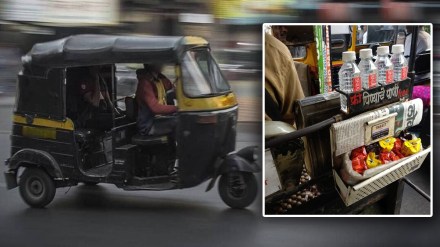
[(151, 96), (282, 84)]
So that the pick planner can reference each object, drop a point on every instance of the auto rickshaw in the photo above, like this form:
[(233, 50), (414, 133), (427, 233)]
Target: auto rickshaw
[(49, 150)]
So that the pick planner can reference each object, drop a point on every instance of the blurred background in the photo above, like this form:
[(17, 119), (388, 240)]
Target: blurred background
[(233, 27)]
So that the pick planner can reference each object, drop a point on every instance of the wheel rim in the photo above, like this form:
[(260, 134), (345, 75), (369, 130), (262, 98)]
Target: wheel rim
[(236, 186), (35, 187)]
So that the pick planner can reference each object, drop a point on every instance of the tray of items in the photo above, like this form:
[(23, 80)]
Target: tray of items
[(373, 149)]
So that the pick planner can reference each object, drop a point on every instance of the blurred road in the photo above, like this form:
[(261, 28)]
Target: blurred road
[(105, 215), (249, 100)]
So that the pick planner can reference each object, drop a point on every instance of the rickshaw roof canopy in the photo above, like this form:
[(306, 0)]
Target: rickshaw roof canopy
[(94, 49)]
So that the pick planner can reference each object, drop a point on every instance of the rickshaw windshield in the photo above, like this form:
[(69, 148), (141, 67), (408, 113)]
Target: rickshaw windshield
[(201, 75)]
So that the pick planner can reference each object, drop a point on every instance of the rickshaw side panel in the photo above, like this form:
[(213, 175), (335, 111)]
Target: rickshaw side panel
[(60, 147), (39, 123), (202, 137), (42, 95)]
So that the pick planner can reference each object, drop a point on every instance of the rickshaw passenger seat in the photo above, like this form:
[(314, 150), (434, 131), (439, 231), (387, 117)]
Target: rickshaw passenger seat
[(146, 140)]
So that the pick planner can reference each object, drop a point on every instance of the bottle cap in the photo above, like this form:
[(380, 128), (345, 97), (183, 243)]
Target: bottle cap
[(348, 56), (397, 49), (383, 50), (366, 53)]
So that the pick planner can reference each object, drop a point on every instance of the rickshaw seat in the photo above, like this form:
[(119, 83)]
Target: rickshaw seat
[(148, 140)]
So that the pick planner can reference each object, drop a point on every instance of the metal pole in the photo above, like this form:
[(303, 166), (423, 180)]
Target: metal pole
[(417, 189), (330, 56), (412, 57)]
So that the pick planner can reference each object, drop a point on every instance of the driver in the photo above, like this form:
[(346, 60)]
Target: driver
[(151, 96)]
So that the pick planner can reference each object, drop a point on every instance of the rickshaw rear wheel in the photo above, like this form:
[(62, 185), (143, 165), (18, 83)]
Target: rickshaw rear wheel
[(238, 189), (36, 187), (91, 183)]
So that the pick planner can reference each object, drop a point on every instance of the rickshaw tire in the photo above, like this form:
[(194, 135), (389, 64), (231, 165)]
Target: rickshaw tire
[(91, 183), (36, 187), (241, 202)]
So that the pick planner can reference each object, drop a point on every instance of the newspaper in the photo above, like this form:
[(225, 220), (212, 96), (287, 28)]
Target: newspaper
[(350, 134)]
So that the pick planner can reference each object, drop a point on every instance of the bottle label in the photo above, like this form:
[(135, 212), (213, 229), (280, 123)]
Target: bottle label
[(404, 73), (389, 76), (357, 85), (372, 80)]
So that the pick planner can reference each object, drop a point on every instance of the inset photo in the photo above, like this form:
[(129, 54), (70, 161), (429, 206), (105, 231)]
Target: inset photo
[(348, 119)]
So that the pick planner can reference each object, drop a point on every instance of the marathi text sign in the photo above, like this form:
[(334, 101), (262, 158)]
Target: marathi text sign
[(379, 96)]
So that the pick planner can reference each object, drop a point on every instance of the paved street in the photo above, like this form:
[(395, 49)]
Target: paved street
[(105, 215), (92, 215)]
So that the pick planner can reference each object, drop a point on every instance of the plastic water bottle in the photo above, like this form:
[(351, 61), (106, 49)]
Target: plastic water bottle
[(368, 69), (399, 62), (349, 77), (384, 66)]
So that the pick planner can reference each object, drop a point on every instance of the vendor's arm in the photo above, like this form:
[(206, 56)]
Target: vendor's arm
[(151, 100)]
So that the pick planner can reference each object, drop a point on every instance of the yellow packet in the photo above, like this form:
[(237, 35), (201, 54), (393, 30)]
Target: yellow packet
[(387, 143), (372, 161), (411, 147)]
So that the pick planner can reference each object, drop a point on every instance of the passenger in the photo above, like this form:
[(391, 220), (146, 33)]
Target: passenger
[(423, 41), (151, 96), (365, 34), (94, 96)]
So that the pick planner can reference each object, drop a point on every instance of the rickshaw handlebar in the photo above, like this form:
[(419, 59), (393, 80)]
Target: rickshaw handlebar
[(302, 132)]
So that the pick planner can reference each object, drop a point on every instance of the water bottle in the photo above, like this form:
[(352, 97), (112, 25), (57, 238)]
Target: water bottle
[(399, 62), (368, 69), (384, 66), (349, 77)]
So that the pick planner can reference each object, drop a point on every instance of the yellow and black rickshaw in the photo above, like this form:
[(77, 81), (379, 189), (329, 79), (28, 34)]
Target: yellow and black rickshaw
[(49, 150)]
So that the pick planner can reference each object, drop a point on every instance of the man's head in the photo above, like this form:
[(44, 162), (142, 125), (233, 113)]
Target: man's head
[(280, 32), (141, 73), (155, 68)]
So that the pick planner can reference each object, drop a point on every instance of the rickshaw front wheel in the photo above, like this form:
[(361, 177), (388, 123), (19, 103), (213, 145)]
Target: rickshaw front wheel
[(36, 187), (238, 189)]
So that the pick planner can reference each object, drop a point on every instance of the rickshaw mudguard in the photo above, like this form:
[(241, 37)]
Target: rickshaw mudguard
[(241, 161), (31, 158)]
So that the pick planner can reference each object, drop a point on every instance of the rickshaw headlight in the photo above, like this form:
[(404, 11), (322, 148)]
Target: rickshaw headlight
[(255, 154)]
